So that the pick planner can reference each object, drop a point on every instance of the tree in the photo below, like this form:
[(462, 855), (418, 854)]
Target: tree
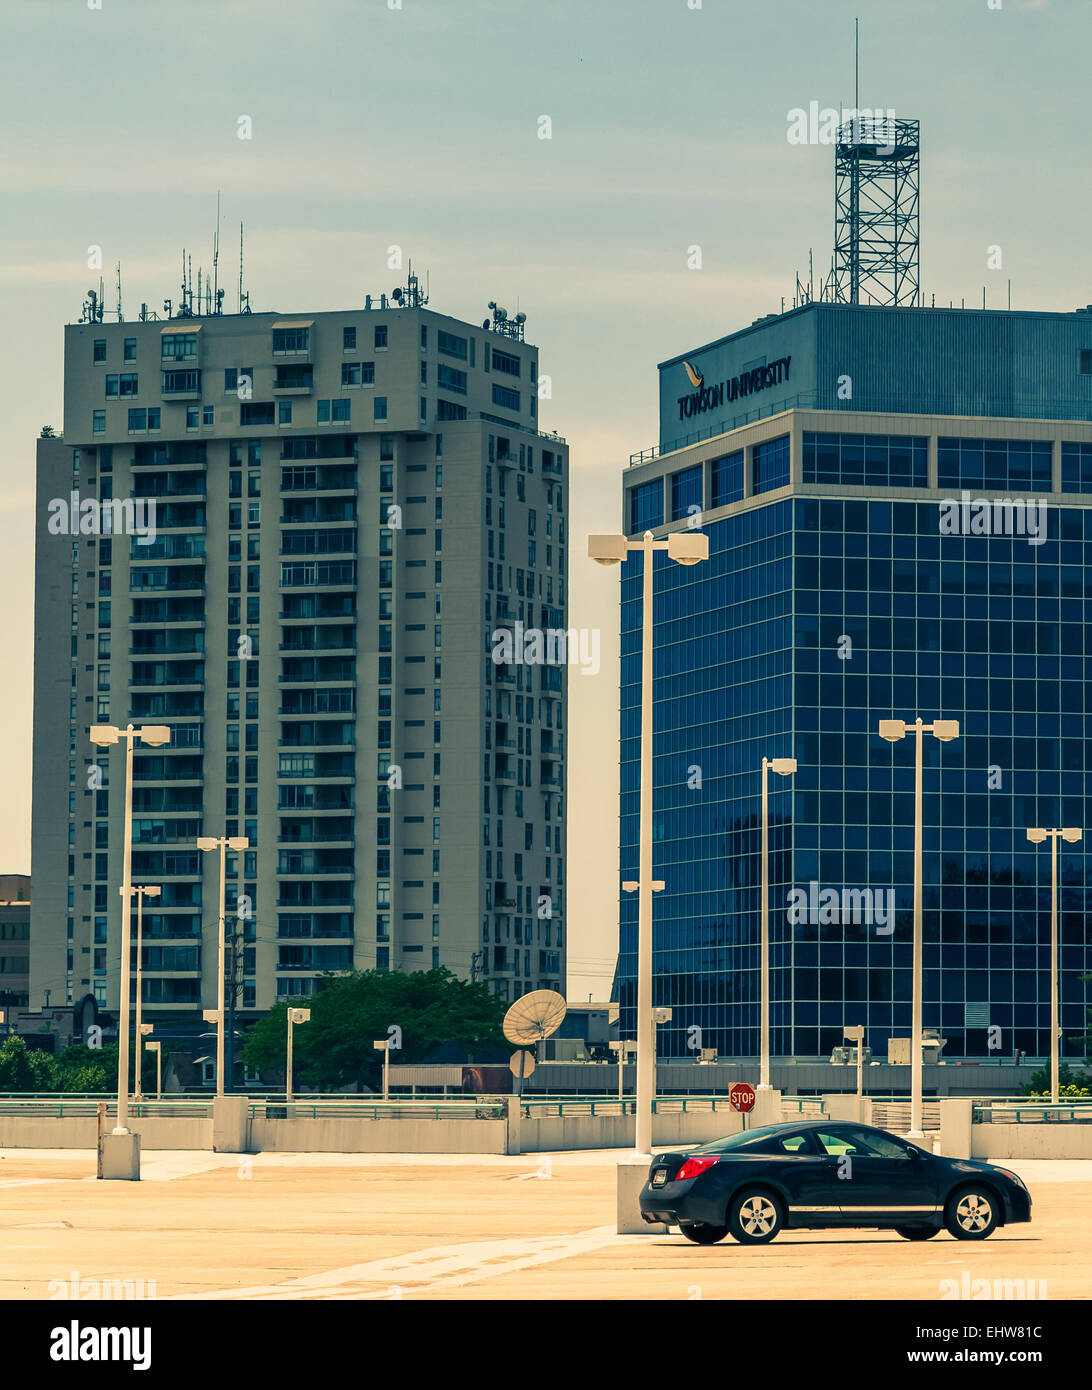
[(334, 1048), (47, 432), (16, 1072)]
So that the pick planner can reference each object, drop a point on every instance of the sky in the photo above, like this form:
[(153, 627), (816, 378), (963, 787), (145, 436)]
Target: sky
[(419, 124)]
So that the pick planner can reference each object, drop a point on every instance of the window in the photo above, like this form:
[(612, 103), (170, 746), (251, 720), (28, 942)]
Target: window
[(256, 413), (98, 353), (865, 460), (505, 362), (646, 506), (98, 422), (863, 1143), (686, 492), (379, 410), (177, 346), (450, 344), (726, 479), (380, 339), (770, 465), (284, 412), (450, 410), (129, 350), (232, 375), (193, 417), (1086, 362), (997, 464), (348, 339), (291, 339), (506, 399), (450, 379), (207, 414), (350, 373)]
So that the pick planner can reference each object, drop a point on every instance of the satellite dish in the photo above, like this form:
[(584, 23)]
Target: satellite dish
[(534, 1017), (521, 317)]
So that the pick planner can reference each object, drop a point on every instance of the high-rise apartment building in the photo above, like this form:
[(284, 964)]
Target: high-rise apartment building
[(899, 509), (293, 539)]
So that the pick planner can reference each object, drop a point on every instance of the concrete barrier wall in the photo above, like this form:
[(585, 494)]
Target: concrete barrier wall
[(553, 1134), (379, 1136), (1048, 1140), (81, 1132)]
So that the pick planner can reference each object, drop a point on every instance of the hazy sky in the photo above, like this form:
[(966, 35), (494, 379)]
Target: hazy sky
[(418, 126)]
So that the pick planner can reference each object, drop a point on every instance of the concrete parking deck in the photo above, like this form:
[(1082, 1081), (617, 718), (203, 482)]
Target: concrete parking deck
[(320, 1226)]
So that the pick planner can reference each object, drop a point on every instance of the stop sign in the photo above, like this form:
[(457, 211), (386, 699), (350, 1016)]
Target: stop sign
[(741, 1096)]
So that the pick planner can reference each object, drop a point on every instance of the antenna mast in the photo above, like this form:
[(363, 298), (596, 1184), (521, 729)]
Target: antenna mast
[(216, 256), (121, 317)]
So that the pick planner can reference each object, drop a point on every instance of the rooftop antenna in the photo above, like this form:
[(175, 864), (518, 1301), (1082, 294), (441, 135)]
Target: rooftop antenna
[(190, 287), (857, 64), (117, 267), (200, 306), (240, 267), (102, 299), (216, 255)]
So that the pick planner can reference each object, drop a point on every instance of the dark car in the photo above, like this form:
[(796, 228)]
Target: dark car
[(827, 1174)]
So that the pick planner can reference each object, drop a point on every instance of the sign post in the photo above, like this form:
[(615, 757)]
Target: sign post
[(741, 1097)]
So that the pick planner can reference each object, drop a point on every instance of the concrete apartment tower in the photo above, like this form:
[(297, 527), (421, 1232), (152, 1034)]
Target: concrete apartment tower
[(325, 518)]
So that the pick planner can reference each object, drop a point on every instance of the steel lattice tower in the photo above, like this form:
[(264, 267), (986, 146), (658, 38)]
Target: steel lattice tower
[(876, 242)]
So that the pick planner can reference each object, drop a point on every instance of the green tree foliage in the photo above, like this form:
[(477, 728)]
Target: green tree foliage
[(16, 1071), (1070, 1084), (334, 1048)]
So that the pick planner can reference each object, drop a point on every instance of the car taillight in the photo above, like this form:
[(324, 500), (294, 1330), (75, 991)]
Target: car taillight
[(693, 1167)]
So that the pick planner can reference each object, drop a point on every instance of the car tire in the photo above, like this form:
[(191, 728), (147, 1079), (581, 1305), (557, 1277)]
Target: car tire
[(755, 1216), (702, 1234), (971, 1212), (917, 1232)]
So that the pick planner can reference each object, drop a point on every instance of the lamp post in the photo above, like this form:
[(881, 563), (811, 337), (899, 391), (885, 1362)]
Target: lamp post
[(384, 1045), (685, 548), (624, 1048), (294, 1016), (855, 1034), (784, 767), (142, 891), (892, 730), (104, 736), (223, 843), (157, 1048), (1071, 836)]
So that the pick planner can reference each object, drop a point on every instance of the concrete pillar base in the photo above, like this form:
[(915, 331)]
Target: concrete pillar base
[(632, 1176), (767, 1109), (230, 1124), (119, 1156)]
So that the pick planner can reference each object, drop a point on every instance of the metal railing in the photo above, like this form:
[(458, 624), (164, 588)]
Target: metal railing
[(83, 1107), (349, 1108), (1032, 1112)]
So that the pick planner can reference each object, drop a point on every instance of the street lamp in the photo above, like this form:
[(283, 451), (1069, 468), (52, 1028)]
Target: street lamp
[(294, 1016), (624, 1048), (384, 1046), (784, 767), (1071, 836), (142, 891), (157, 1048), (892, 730), (685, 548), (104, 736), (223, 843)]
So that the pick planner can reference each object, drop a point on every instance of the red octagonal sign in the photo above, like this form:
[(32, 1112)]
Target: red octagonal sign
[(741, 1096)]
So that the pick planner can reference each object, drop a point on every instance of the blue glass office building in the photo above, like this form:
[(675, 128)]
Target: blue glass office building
[(840, 458)]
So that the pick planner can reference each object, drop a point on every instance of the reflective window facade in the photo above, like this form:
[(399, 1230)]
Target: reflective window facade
[(812, 620), (866, 460), (994, 463), (770, 465)]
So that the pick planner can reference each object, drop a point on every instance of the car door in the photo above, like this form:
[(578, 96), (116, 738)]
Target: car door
[(879, 1176), (809, 1175)]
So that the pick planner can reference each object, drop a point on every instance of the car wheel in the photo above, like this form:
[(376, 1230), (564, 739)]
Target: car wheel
[(755, 1217), (701, 1234), (971, 1213), (917, 1232)]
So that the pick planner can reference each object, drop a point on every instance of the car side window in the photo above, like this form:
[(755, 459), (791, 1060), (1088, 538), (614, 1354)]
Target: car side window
[(864, 1144), (791, 1144), (838, 1143)]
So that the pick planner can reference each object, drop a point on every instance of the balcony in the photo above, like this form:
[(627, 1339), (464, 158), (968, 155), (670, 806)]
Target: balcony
[(294, 380)]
